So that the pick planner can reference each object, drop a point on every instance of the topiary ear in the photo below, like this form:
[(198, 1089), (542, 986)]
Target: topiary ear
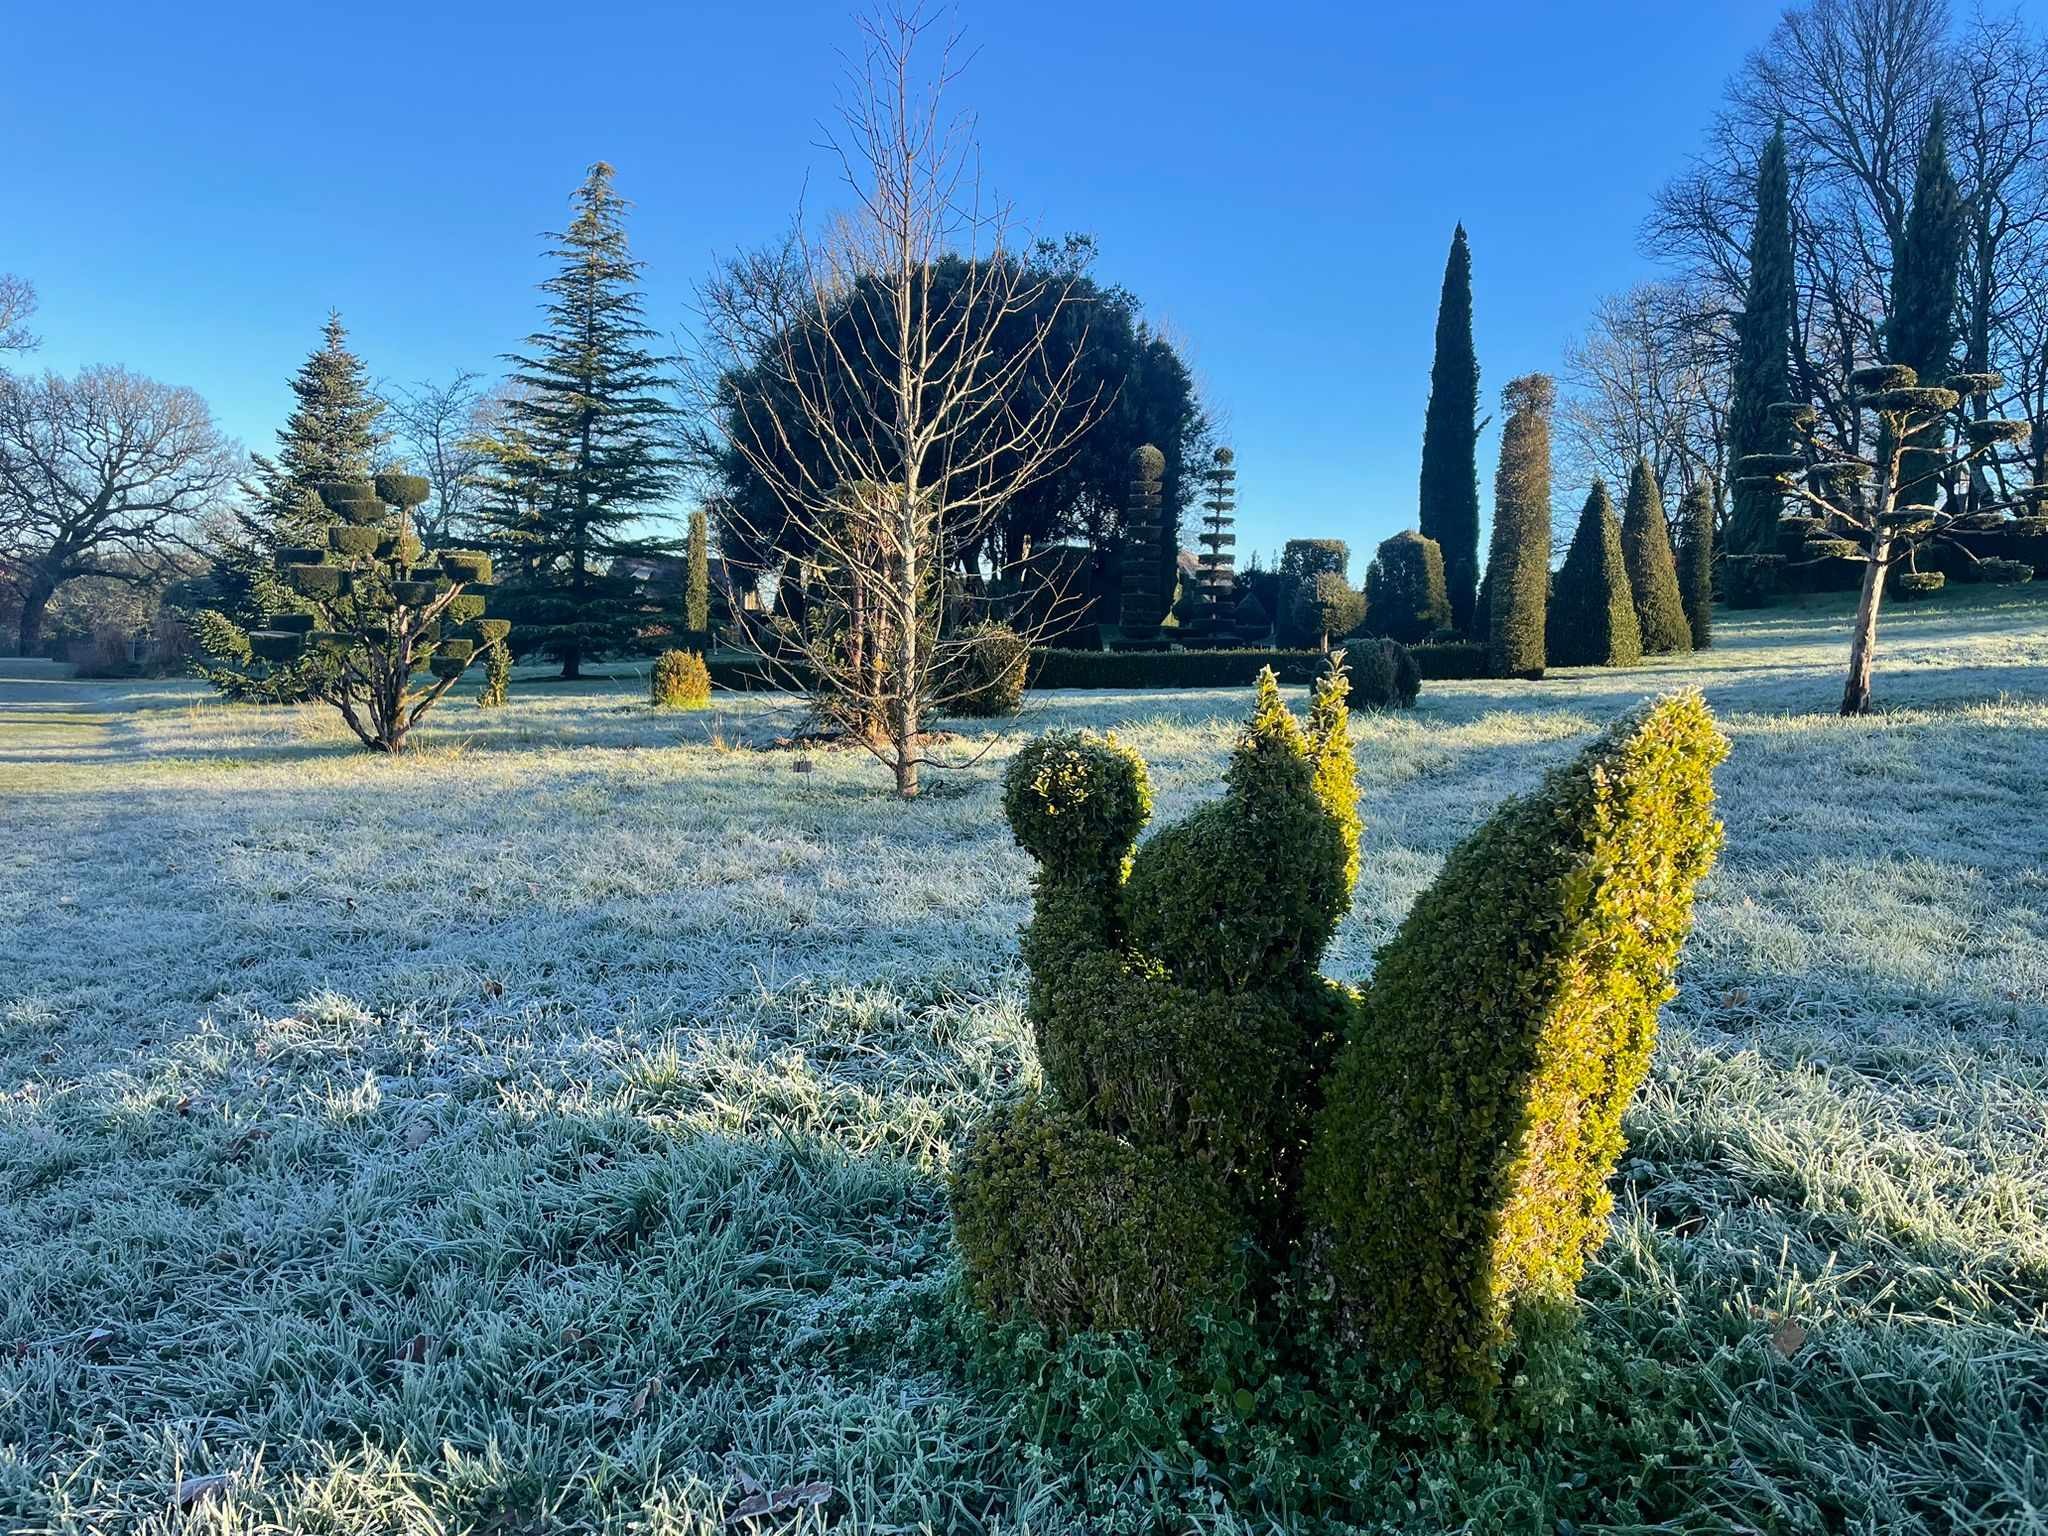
[(1271, 761), (1076, 803)]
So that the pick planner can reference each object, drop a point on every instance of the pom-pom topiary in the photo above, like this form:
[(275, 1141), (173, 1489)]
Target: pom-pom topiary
[(320, 580), (406, 491), (1460, 1160), (1985, 434), (680, 680)]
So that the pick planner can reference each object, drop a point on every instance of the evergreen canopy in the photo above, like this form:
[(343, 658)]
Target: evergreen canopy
[(1763, 336), (1450, 439)]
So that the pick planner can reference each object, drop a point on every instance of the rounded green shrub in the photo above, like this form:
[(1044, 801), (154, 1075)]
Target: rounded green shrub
[(1404, 588), (1460, 1161), (492, 631), (1080, 1230), (985, 672), (463, 609), (680, 680), (1076, 802), (455, 649)]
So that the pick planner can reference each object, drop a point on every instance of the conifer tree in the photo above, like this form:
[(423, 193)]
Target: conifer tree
[(1518, 563), (1763, 335), (1592, 615), (1652, 573), (1696, 561), (697, 583), (1450, 438), (1922, 330), (331, 435), (583, 459)]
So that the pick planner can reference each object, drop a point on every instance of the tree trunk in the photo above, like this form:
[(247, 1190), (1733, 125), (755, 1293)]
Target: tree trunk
[(1863, 643), (34, 605)]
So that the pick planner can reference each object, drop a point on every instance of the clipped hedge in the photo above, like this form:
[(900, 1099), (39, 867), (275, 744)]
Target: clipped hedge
[(1460, 1161), (1448, 660), (1186, 669)]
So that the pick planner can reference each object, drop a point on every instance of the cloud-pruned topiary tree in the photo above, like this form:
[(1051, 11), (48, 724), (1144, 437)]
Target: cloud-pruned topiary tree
[(379, 610), (1652, 572), (1592, 613), (1218, 538), (1404, 588), (1460, 1161), (1518, 562)]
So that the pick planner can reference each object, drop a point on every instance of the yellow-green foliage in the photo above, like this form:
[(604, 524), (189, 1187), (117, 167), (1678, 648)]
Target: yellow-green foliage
[(1460, 1162), (1179, 1020), (680, 681)]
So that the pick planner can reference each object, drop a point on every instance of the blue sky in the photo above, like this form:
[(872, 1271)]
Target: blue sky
[(192, 187)]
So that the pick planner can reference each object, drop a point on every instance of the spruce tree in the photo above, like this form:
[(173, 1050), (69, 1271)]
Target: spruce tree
[(1518, 562), (1592, 614), (331, 435), (697, 582), (583, 459), (1922, 331), (1696, 561), (1450, 439), (1763, 335), (1652, 573)]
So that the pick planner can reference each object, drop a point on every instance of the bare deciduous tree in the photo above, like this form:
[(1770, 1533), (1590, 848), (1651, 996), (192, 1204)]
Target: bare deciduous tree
[(438, 424), (967, 424), (107, 474), (17, 303)]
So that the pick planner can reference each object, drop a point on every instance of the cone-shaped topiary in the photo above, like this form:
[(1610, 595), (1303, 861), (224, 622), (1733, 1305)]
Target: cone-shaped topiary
[(1652, 573), (1404, 588), (1592, 620), (1179, 1021), (1460, 1161), (680, 680), (1518, 561), (1696, 561)]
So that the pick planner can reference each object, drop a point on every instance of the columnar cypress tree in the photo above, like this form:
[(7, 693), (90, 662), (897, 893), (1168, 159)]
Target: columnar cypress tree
[(1592, 615), (330, 436), (1922, 330), (1518, 563), (1696, 561), (1450, 438), (1652, 573), (1219, 543), (587, 430), (1762, 377), (697, 584)]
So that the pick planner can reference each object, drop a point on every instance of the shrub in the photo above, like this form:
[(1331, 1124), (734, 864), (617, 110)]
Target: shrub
[(1326, 605), (1460, 1161), (1446, 660), (985, 674), (1908, 585), (1696, 562), (1517, 581), (680, 680), (2006, 572), (497, 681), (1592, 620), (1652, 572), (1404, 588)]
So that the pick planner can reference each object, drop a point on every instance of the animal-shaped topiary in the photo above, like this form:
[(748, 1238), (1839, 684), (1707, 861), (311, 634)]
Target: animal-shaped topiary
[(1180, 1022)]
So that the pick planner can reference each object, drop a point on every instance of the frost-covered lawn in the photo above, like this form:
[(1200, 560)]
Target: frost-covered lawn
[(546, 1131)]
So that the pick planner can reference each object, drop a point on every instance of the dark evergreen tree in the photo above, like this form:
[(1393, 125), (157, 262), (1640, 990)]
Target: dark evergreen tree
[(1652, 573), (1404, 588), (697, 580), (1592, 619), (584, 457), (1144, 603), (1518, 561), (1763, 335), (1696, 561), (1450, 439), (1922, 331), (331, 435), (1219, 544)]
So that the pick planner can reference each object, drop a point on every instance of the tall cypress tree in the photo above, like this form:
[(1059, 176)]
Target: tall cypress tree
[(1652, 573), (332, 434), (1696, 561), (1922, 330), (1450, 438), (586, 438), (1518, 563), (1762, 375), (697, 581), (1592, 613)]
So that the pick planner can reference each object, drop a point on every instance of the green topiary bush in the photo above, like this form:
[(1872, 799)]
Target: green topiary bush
[(1652, 570), (984, 673), (1592, 614), (497, 683), (1460, 1161), (680, 680), (1404, 588)]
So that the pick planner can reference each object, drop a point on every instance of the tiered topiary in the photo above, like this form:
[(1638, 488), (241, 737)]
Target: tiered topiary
[(1218, 538), (680, 680), (1144, 605), (1217, 1116), (380, 610), (1461, 1160), (1180, 1023), (1592, 620), (1404, 588)]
